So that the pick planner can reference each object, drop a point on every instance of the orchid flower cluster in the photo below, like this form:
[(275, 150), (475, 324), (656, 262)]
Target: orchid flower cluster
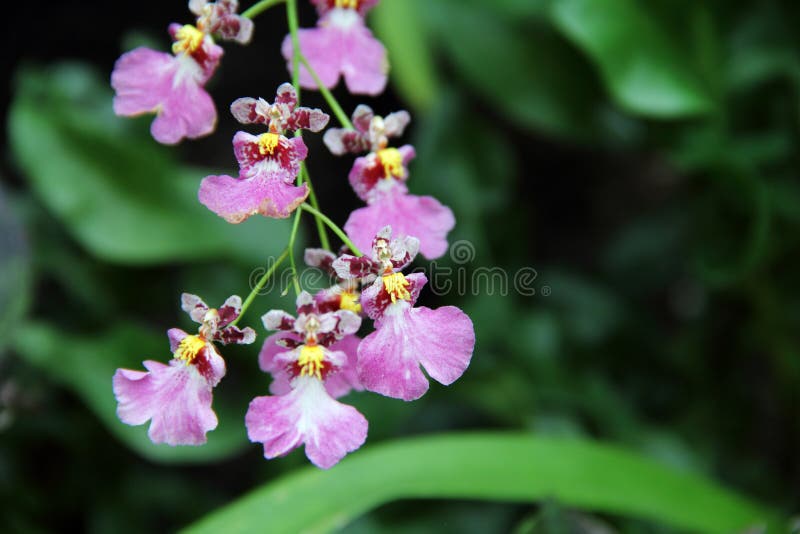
[(326, 350)]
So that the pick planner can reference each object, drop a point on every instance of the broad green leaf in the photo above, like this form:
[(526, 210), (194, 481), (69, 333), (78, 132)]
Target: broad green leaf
[(15, 271), (400, 25), (517, 8), (120, 195), (495, 467), (528, 74), (642, 68), (86, 365)]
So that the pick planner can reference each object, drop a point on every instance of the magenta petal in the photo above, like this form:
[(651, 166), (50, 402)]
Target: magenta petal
[(175, 336), (307, 415), (139, 78), (176, 398), (388, 365), (364, 63), (236, 199), (341, 45), (442, 340), (340, 382), (147, 81), (268, 363), (323, 52), (422, 217), (188, 112)]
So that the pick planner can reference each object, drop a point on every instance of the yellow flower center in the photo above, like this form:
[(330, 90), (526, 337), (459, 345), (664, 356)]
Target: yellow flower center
[(348, 4), (189, 348), (392, 162), (267, 143), (311, 361), (397, 286), (189, 39), (349, 301)]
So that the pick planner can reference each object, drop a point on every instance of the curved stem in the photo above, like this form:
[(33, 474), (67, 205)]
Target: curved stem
[(332, 102), (312, 197), (291, 17), (336, 230), (260, 285), (259, 7), (292, 238)]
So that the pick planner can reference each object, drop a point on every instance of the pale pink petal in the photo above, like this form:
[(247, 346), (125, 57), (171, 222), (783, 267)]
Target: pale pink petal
[(196, 6), (442, 340), (395, 123), (422, 217), (236, 199), (194, 306), (176, 398), (362, 119), (278, 320), (307, 415)]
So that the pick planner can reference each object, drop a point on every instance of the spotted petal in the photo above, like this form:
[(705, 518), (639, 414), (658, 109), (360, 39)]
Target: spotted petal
[(236, 199)]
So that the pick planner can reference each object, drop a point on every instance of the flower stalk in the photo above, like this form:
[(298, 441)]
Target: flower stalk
[(259, 7)]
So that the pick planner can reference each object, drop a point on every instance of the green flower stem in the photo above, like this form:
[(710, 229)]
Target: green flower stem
[(332, 102), (291, 17), (336, 230), (259, 7), (312, 197), (292, 238), (260, 284)]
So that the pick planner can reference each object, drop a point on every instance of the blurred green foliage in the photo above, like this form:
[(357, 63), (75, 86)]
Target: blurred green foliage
[(641, 156)]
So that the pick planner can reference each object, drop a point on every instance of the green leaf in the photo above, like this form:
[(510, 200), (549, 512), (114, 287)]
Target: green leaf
[(644, 71), (121, 195), (15, 271), (400, 25), (86, 365), (528, 74), (496, 467), (517, 8)]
